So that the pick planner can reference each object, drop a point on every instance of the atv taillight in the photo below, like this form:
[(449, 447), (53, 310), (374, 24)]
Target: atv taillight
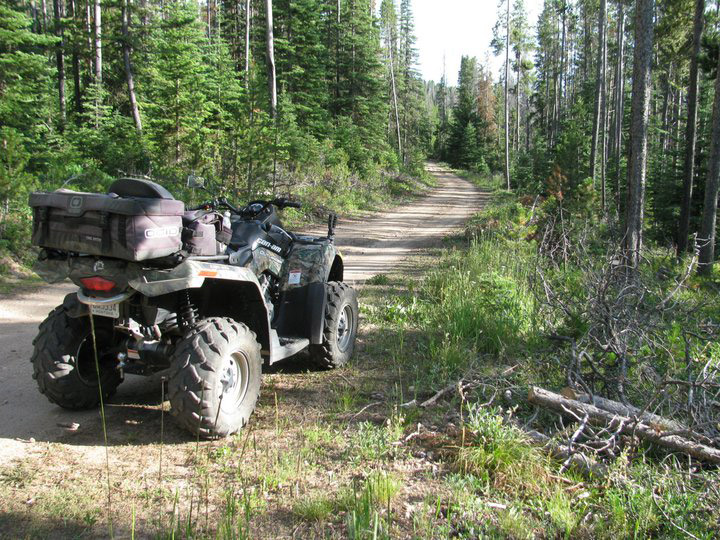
[(97, 283)]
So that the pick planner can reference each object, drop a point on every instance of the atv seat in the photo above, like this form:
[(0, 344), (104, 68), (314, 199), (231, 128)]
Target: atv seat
[(136, 187)]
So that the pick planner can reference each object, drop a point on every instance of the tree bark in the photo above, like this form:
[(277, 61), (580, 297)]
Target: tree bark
[(690, 132), (709, 218), (247, 44), (394, 94), (60, 60), (128, 66), (627, 425), (272, 82), (637, 162), (619, 101), (43, 5), (518, 60), (599, 89), (98, 43), (89, 37), (77, 90), (507, 101)]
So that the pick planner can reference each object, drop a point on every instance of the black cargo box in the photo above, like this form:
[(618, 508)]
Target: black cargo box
[(129, 228)]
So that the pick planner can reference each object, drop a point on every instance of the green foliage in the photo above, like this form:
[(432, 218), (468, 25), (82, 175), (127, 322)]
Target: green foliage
[(200, 111)]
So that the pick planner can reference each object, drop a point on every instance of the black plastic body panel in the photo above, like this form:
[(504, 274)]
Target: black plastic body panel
[(301, 313)]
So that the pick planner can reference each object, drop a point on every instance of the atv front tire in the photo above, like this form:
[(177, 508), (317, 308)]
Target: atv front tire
[(64, 360), (341, 323), (215, 378)]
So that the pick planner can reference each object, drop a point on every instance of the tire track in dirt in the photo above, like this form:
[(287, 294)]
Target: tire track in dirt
[(383, 242)]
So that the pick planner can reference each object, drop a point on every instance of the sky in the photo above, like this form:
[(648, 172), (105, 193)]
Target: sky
[(455, 28)]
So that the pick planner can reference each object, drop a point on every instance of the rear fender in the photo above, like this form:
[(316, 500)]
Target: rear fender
[(219, 290)]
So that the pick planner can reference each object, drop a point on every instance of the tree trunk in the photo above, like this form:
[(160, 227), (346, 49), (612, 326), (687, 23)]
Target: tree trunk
[(518, 59), (709, 218), (637, 162), (77, 91), (507, 101), (394, 95), (629, 426), (43, 5), (98, 43), (599, 89), (247, 44), (128, 66), (690, 132), (60, 60), (89, 37), (619, 101), (272, 82)]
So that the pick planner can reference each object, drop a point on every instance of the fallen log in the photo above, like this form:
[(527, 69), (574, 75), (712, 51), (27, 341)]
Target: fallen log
[(615, 407), (628, 425)]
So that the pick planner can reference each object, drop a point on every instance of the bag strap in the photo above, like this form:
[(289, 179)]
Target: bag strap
[(106, 236), (122, 230), (43, 223)]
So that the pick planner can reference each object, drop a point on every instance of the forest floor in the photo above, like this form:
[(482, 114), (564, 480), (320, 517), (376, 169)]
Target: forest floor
[(323, 451)]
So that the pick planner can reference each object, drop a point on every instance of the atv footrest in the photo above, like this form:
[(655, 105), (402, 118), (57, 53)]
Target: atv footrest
[(284, 347)]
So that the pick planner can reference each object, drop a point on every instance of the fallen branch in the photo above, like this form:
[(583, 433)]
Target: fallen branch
[(579, 461), (630, 426), (615, 407)]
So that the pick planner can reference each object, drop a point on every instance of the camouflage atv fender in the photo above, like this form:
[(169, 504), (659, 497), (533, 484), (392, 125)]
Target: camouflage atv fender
[(308, 263), (189, 275)]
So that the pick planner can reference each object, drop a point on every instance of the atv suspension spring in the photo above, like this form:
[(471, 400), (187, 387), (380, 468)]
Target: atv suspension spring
[(188, 313)]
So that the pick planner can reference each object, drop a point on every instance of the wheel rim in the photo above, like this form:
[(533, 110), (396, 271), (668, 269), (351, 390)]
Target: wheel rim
[(235, 379), (344, 329), (85, 358)]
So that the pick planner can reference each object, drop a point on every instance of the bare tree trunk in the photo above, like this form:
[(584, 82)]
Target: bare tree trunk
[(599, 89), (709, 218), (507, 101), (690, 132), (98, 43), (518, 59), (247, 44), (637, 163), (77, 92), (60, 60), (128, 66), (272, 82), (88, 35), (43, 5), (394, 94), (628, 425), (619, 101)]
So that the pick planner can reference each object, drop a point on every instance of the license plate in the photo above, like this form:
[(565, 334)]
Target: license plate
[(106, 310)]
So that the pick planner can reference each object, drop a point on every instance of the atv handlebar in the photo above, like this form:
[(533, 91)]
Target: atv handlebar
[(247, 211)]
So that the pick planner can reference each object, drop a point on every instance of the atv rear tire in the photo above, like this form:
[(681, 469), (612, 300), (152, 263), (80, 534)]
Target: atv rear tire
[(64, 361), (341, 323), (215, 378)]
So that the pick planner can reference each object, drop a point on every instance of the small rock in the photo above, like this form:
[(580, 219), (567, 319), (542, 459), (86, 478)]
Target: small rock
[(30, 501), (69, 426)]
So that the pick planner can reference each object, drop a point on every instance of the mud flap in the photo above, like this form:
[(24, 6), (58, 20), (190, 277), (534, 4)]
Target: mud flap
[(73, 307), (302, 313)]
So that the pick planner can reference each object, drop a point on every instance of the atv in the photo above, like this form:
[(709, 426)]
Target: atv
[(204, 296)]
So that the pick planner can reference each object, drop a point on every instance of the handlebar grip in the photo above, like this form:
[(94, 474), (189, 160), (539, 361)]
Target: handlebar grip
[(291, 204)]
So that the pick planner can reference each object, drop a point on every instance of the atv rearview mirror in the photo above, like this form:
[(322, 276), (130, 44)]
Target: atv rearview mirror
[(195, 181)]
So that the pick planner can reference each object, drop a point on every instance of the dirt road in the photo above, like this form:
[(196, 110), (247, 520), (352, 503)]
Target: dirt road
[(371, 246)]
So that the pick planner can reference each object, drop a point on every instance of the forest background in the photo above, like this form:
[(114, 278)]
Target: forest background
[(323, 100)]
